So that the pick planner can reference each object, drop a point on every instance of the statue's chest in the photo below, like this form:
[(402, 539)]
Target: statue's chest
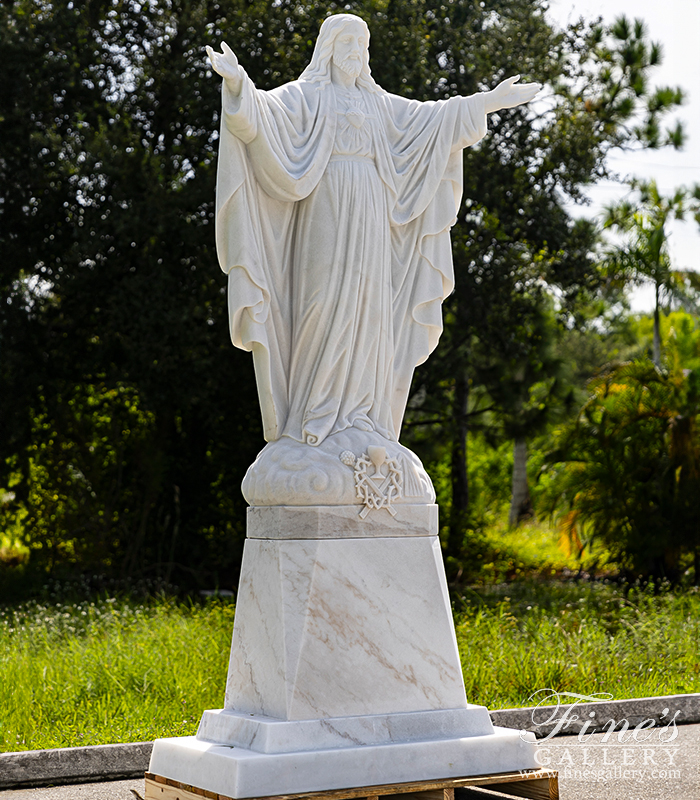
[(354, 123)]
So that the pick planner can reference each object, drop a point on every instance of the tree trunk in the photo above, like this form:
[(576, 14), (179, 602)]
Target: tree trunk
[(460, 479), (657, 328), (520, 503)]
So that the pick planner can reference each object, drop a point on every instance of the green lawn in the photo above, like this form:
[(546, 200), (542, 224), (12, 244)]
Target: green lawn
[(584, 638), (117, 671), (95, 673)]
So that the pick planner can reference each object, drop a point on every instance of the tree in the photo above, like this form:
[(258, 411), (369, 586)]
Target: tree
[(125, 445), (109, 280), (528, 392), (644, 256), (627, 470), (516, 242)]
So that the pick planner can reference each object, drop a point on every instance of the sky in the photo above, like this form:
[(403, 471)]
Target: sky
[(676, 25)]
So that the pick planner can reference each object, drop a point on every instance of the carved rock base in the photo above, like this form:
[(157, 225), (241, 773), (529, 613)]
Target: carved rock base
[(290, 473)]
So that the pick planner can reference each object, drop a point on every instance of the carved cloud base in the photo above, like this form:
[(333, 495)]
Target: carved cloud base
[(344, 666), (290, 473)]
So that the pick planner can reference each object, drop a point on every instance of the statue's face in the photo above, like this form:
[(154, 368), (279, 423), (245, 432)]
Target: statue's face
[(349, 49)]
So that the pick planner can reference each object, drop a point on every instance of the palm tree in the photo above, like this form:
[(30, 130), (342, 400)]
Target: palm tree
[(643, 257)]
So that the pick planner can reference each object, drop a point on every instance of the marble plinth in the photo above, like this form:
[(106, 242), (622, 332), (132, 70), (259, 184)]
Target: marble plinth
[(238, 772), (344, 668), (267, 735), (343, 627), (340, 522)]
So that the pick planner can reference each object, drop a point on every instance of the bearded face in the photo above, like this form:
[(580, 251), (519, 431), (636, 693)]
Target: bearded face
[(349, 49), (350, 65)]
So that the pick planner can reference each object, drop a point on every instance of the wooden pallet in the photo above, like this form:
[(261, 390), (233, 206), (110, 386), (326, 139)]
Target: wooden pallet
[(537, 784)]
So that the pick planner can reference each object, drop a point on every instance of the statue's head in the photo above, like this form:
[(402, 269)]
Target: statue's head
[(344, 41)]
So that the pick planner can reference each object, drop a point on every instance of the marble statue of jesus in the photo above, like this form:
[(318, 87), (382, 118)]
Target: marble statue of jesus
[(335, 201), (334, 204)]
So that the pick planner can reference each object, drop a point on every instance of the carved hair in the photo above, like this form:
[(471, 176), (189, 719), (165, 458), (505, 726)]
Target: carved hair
[(319, 69)]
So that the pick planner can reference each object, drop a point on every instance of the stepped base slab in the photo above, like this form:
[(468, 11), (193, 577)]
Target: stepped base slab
[(241, 773), (268, 735)]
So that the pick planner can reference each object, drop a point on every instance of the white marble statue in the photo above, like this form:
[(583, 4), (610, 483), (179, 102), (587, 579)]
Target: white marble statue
[(335, 201), (334, 204)]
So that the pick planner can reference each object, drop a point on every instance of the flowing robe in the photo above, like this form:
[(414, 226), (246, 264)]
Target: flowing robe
[(333, 218)]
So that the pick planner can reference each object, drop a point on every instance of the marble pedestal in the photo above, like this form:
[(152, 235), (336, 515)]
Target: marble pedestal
[(344, 666)]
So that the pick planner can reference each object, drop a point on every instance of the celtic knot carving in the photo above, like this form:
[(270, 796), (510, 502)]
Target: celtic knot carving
[(378, 479)]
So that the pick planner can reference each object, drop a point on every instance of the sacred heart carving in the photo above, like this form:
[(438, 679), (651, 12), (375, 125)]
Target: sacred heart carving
[(355, 117)]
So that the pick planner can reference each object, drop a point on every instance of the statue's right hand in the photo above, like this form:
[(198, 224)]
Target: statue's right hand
[(226, 64)]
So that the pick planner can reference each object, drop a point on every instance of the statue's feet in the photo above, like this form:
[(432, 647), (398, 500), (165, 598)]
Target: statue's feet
[(352, 467)]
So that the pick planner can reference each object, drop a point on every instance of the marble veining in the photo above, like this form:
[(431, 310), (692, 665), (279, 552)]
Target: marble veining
[(243, 773), (268, 735), (359, 627)]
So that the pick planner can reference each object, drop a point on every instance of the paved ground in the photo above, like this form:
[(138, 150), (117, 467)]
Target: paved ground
[(114, 790), (650, 770), (590, 770)]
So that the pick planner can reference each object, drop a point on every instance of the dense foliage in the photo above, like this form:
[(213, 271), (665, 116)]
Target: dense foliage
[(126, 418), (627, 469), (643, 256)]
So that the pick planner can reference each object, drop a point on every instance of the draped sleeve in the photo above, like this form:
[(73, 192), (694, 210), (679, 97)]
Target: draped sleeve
[(274, 147), (422, 161)]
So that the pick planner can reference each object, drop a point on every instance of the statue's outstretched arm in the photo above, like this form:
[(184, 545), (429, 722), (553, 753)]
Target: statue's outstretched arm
[(226, 64), (508, 95)]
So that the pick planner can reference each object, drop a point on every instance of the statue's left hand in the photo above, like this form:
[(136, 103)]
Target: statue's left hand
[(508, 95)]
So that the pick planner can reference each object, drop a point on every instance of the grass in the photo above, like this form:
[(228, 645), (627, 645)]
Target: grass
[(100, 672), (115, 671), (535, 547), (583, 638)]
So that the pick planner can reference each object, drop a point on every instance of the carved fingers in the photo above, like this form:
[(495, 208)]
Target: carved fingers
[(230, 55), (509, 93), (523, 93), (226, 64)]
